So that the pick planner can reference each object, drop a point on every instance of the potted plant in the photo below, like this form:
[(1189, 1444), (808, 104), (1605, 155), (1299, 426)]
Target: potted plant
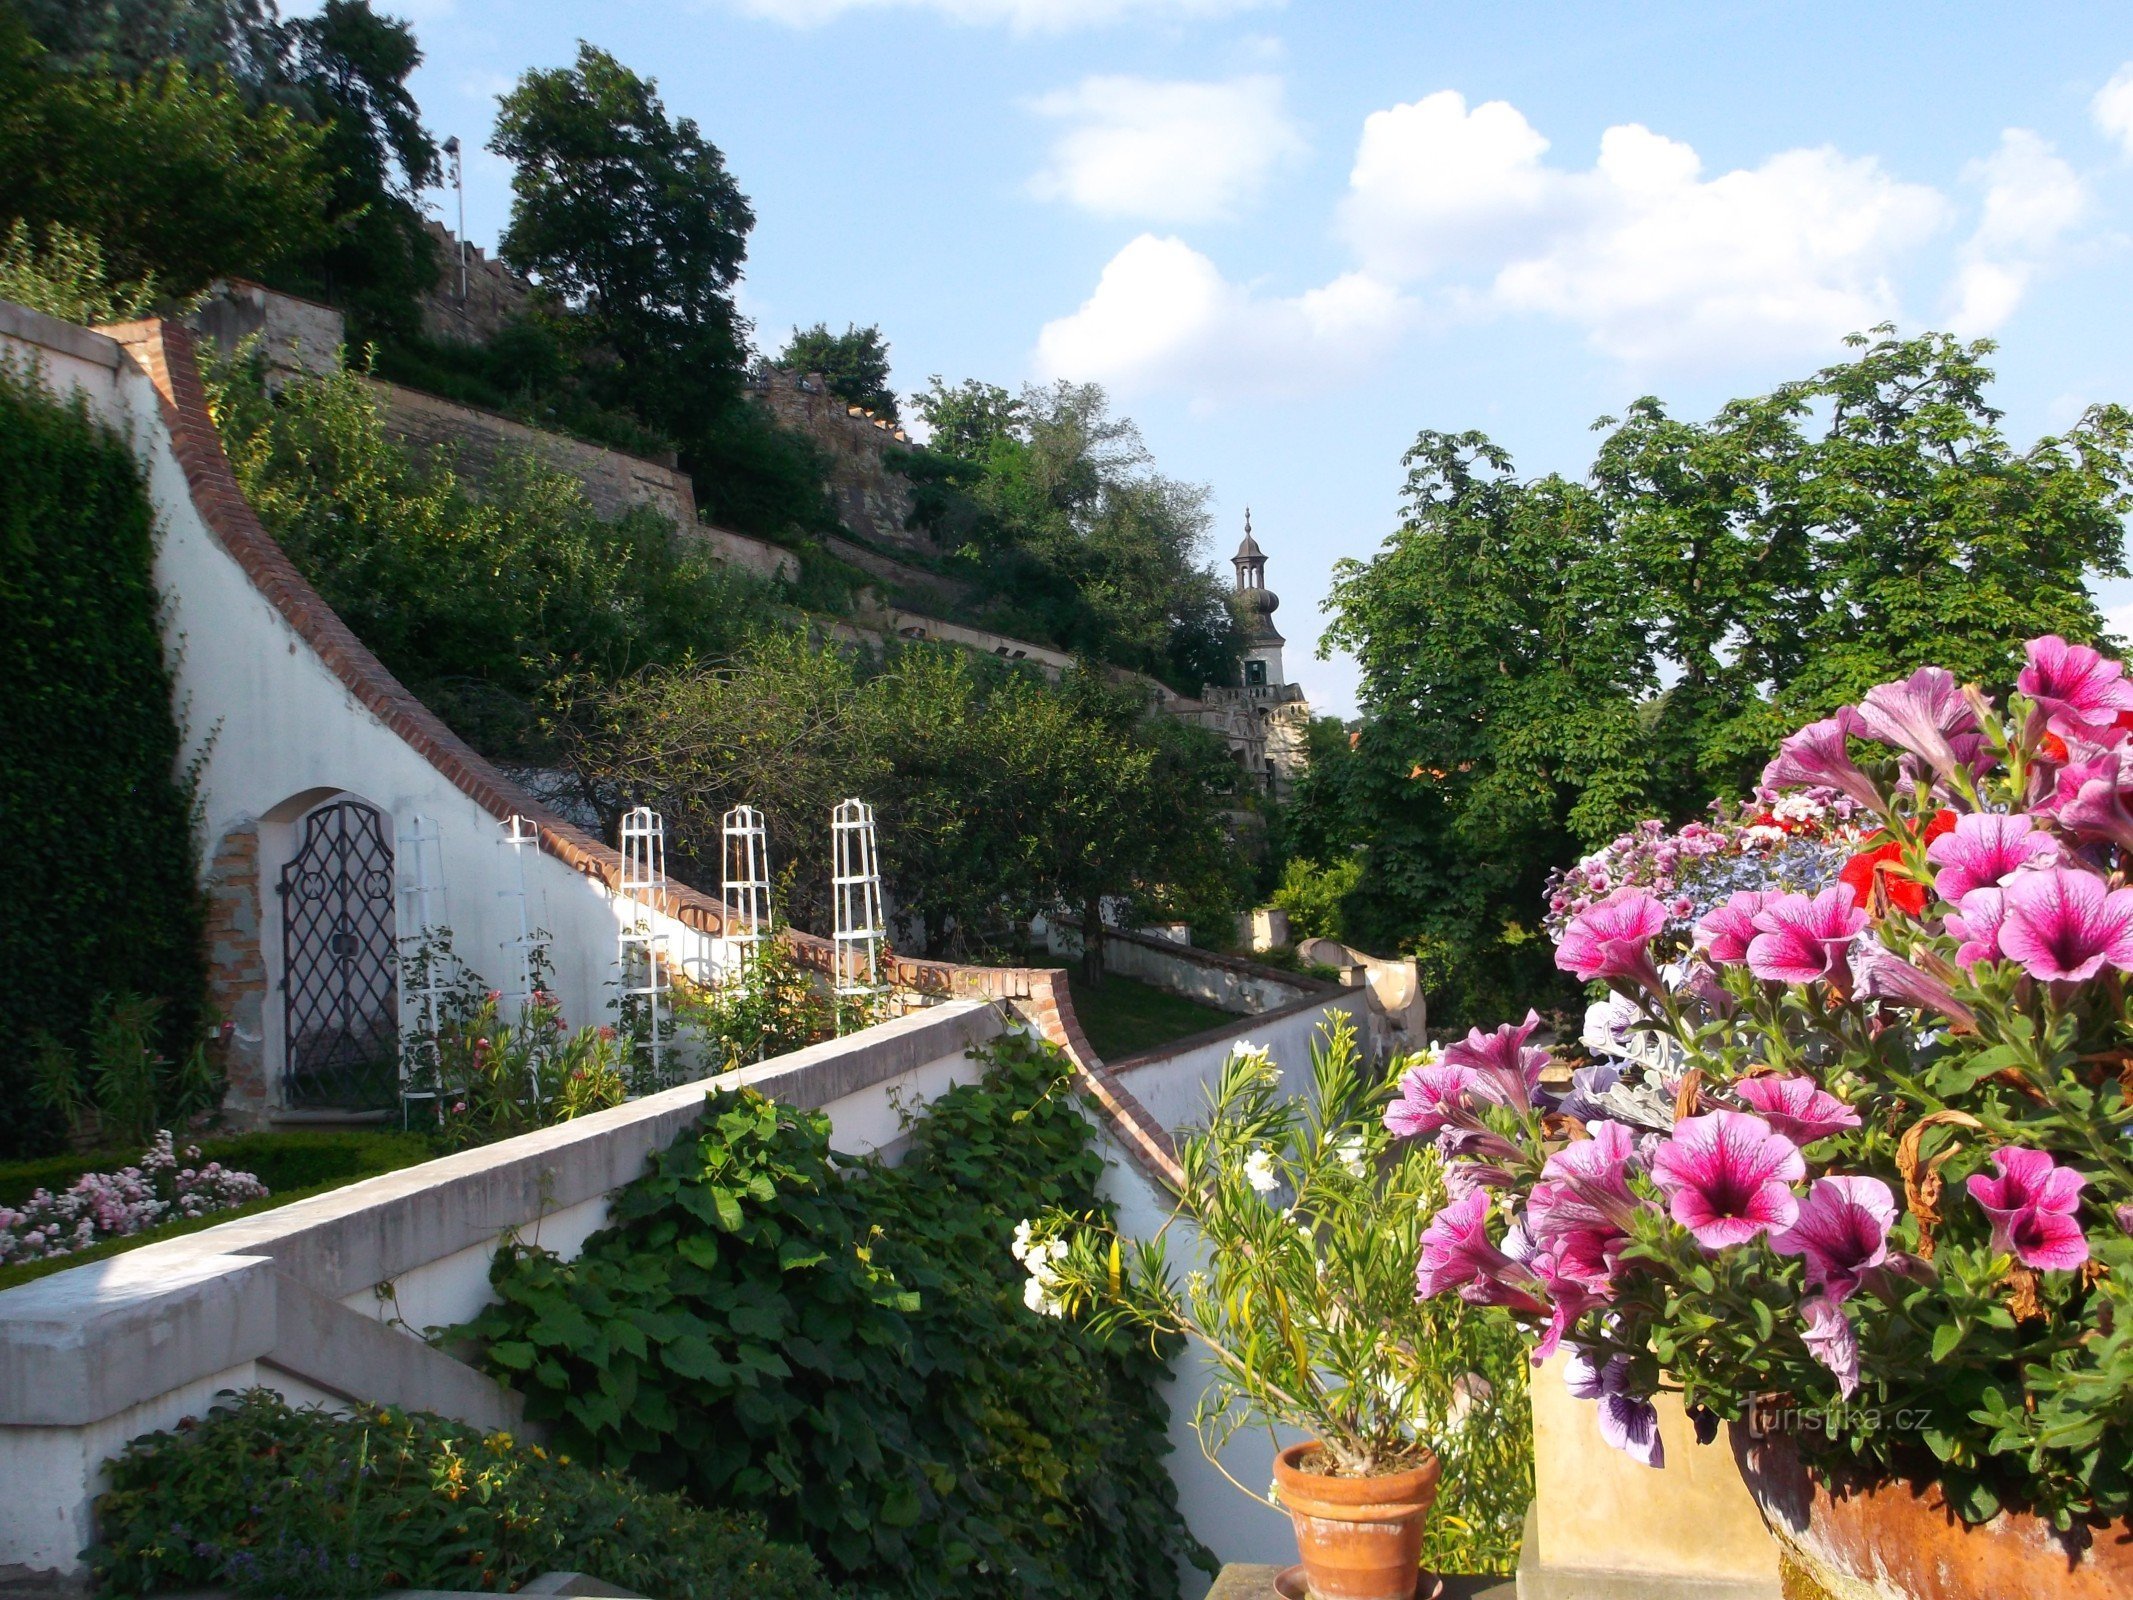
[(1289, 1260), (1851, 1167)]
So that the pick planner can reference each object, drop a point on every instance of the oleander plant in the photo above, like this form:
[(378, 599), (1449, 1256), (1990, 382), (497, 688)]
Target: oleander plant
[(1861, 1151)]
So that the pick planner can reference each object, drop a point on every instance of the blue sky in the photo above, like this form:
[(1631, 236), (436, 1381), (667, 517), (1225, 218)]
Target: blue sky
[(1287, 237)]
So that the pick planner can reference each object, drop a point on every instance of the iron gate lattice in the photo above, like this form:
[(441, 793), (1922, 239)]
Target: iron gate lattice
[(340, 972)]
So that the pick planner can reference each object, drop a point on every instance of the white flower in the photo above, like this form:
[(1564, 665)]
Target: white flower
[(1763, 837), (1798, 808), (1039, 1300), (1020, 1248), (1259, 1171), (1349, 1152)]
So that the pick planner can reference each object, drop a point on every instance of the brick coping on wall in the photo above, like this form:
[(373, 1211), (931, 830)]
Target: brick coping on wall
[(167, 353)]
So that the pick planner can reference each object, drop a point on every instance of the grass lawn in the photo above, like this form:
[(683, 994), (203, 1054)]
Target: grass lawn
[(293, 1166), (1123, 1016)]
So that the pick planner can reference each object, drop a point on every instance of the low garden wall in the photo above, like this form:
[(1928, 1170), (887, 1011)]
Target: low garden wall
[(324, 1299)]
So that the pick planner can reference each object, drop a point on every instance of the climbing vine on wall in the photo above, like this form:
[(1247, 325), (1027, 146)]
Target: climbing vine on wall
[(843, 1347), (99, 895)]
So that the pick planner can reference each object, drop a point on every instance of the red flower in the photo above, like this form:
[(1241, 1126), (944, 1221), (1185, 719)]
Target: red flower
[(1884, 863), (2052, 748)]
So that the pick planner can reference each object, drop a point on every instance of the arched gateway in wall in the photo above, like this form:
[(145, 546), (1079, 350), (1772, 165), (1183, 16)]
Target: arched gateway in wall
[(340, 985)]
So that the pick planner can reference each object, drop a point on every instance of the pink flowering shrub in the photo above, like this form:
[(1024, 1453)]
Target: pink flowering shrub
[(1857, 1144), (111, 1205)]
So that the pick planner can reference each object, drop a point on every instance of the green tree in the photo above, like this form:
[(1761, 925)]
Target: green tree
[(969, 419), (855, 363), (176, 175), (625, 214), (351, 67), (123, 38)]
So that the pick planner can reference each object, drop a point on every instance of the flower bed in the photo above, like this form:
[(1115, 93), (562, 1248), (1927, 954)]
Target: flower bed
[(1854, 1158), (100, 1206)]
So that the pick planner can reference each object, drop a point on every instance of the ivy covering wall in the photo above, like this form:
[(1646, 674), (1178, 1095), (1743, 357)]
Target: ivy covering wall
[(99, 895), (843, 1348)]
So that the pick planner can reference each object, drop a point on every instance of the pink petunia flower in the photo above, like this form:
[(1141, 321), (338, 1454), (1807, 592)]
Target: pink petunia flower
[(2076, 688), (1878, 973), (1729, 1176), (2064, 925), (1430, 1096), (2088, 796), (1977, 926), (1799, 940), (1797, 1107), (2033, 1203), (1629, 1422), (1584, 1187), (1500, 1066), (1613, 939), (1842, 1231), (1817, 758), (1920, 715), (1457, 1254), (1725, 930), (1576, 1272), (1984, 848), (1830, 1339)]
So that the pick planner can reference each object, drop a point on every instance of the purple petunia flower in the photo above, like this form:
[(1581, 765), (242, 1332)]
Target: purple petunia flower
[(1983, 849), (1878, 973), (2033, 1204), (1920, 715), (2077, 689), (1457, 1254), (2064, 925), (1842, 1230), (1830, 1340), (1977, 926), (1629, 1422), (1430, 1096), (1797, 1107), (1584, 1187), (1729, 1176), (1817, 757), (1500, 1066), (1726, 931), (2088, 796), (1612, 940), (1799, 940)]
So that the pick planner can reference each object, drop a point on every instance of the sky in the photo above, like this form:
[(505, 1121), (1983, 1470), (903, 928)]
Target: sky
[(1287, 237)]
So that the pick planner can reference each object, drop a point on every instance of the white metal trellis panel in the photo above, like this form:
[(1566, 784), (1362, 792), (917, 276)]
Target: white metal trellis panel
[(520, 835), (746, 883), (855, 883), (420, 858), (641, 949)]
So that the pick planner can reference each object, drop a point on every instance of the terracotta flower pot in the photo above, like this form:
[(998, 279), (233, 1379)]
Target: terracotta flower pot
[(1360, 1538), (1894, 1542)]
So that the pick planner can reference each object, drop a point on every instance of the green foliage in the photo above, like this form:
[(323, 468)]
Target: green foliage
[(855, 363), (122, 1089), (174, 172), (479, 604), (773, 1005), (61, 273), (1316, 897), (1124, 1017), (1802, 546), (998, 794), (1053, 507), (263, 1500), (1309, 1220), (91, 737), (842, 1347), (124, 38), (349, 68)]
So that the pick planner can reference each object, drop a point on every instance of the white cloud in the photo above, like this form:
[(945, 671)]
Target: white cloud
[(2112, 109), (1163, 314), (1656, 262), (1166, 152), (2032, 200), (1023, 16)]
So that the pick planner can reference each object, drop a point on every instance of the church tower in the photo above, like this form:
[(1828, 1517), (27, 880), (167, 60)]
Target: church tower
[(1256, 604)]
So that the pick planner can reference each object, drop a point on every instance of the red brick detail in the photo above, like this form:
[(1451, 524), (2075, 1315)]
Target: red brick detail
[(165, 351), (237, 971)]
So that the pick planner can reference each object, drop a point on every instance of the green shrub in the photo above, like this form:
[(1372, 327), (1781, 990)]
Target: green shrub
[(269, 1501), (844, 1348), (1314, 896), (102, 899), (61, 273), (285, 1162)]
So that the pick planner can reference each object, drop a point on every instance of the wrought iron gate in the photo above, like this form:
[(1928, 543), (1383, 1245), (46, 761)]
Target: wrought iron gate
[(340, 971)]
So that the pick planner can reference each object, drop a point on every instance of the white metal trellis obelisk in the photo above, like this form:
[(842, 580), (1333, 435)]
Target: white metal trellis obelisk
[(746, 884), (520, 835), (855, 883), (641, 952), (421, 881)]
